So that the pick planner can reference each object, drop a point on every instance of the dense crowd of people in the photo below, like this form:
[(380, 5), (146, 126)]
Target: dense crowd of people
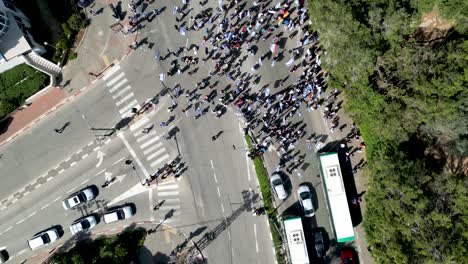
[(231, 34)]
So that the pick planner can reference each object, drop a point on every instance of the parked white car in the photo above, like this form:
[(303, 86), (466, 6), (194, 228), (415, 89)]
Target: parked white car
[(78, 198), (305, 198), (44, 238), (84, 223), (121, 213), (278, 185)]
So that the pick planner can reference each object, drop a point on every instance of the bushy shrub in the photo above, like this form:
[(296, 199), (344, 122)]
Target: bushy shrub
[(75, 22), (66, 30)]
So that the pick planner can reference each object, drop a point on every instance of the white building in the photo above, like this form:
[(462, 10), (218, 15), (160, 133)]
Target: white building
[(17, 45)]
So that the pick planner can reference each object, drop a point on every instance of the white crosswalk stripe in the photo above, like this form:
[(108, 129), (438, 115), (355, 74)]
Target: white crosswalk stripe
[(148, 143), (152, 148), (155, 154), (169, 207), (158, 161), (171, 193), (167, 187), (115, 79), (127, 108), (127, 97), (139, 124), (122, 92), (141, 137), (117, 85), (110, 72)]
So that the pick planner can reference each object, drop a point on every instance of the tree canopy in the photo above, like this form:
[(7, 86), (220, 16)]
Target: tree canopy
[(403, 67), (121, 248)]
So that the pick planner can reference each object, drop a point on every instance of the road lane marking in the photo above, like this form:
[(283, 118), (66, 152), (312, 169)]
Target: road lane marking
[(117, 161), (21, 221), (73, 164), (14, 200), (26, 193), (84, 156), (222, 207), (72, 189), (214, 175), (21, 252), (219, 193), (31, 214), (96, 148), (151, 205), (83, 182), (92, 142), (50, 178), (60, 171), (132, 152), (8, 229), (248, 167), (37, 186), (45, 206), (56, 199), (101, 172), (255, 234)]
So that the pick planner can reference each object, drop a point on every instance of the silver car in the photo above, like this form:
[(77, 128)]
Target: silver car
[(84, 223), (78, 198), (305, 198), (278, 185)]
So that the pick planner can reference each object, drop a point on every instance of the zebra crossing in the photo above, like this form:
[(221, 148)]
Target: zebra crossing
[(150, 144)]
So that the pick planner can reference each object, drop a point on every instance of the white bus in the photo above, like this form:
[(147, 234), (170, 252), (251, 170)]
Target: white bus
[(296, 241), (336, 196)]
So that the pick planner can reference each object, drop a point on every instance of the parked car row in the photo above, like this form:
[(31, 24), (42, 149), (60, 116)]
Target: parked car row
[(88, 222)]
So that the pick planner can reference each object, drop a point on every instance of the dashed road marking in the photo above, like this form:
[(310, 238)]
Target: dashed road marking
[(84, 156), (50, 178), (71, 190)]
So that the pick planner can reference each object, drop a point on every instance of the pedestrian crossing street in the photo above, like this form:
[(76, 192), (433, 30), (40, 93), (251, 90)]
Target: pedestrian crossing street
[(150, 144)]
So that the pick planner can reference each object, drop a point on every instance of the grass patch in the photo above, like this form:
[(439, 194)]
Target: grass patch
[(264, 182), (17, 85), (121, 248)]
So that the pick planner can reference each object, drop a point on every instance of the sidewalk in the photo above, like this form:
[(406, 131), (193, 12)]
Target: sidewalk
[(21, 120), (99, 47)]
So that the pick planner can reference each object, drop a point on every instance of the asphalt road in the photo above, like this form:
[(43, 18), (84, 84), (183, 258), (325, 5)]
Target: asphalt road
[(216, 180)]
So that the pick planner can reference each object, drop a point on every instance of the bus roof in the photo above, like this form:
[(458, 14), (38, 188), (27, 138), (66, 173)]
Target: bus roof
[(336, 195), (296, 240)]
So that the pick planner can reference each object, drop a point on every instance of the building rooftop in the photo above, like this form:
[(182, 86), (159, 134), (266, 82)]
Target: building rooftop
[(13, 43)]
